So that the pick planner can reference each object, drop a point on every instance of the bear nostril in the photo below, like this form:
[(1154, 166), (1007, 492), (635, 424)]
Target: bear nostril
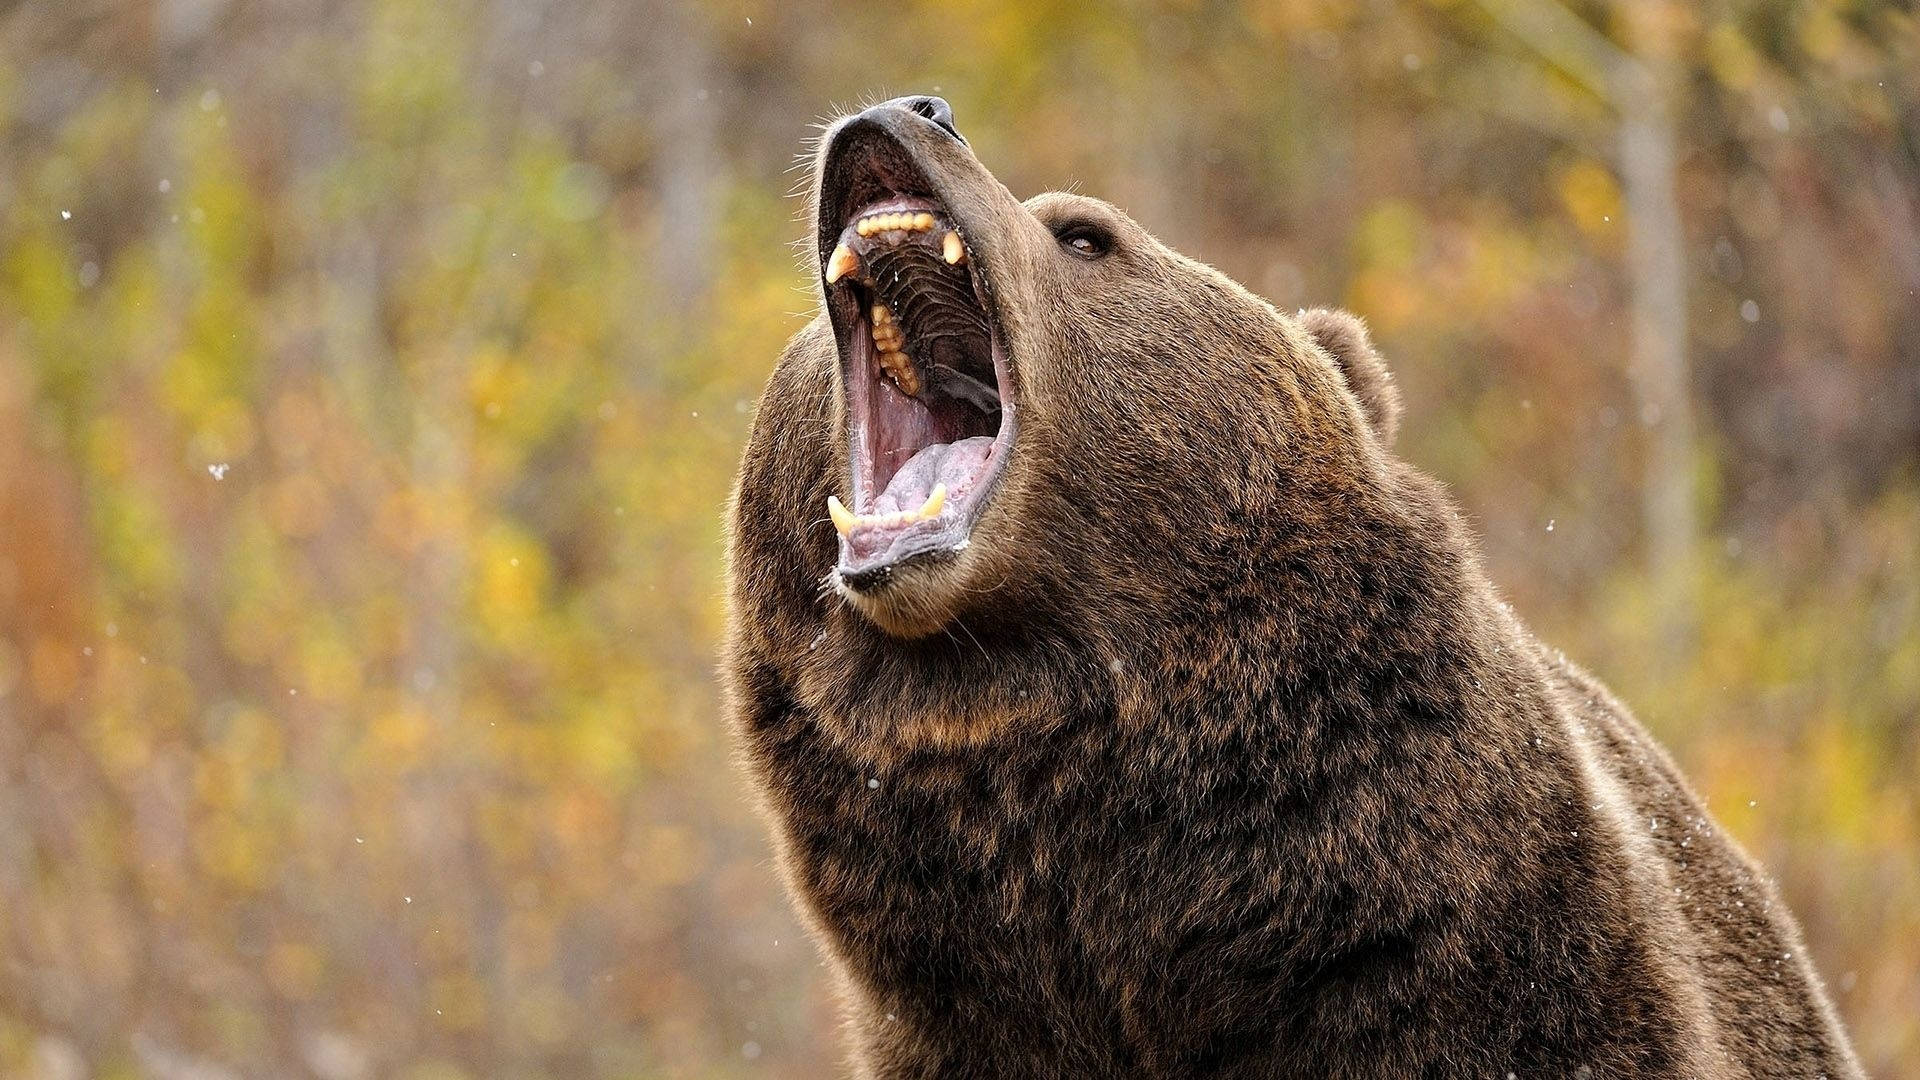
[(937, 110)]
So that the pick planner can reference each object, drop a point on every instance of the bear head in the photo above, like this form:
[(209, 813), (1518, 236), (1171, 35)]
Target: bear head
[(1024, 421)]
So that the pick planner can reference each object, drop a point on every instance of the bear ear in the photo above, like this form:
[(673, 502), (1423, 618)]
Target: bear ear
[(1344, 337)]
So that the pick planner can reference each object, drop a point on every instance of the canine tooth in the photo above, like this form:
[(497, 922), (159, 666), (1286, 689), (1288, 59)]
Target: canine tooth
[(922, 222), (843, 518), (935, 500), (842, 262), (952, 250)]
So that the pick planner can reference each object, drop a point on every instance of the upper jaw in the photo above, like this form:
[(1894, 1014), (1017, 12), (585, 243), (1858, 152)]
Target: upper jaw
[(929, 418)]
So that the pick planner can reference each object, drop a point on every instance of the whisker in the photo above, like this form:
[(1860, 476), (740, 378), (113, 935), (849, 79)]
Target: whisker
[(976, 641)]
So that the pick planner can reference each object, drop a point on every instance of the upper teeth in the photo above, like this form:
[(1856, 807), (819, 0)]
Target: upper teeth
[(889, 341), (843, 261), (878, 223)]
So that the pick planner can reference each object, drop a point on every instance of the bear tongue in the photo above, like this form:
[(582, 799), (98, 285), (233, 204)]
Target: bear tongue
[(958, 465)]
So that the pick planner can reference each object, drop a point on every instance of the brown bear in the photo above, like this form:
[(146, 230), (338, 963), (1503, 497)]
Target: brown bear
[(1123, 708)]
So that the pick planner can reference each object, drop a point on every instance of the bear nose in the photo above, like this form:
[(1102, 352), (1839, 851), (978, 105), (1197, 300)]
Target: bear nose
[(933, 108)]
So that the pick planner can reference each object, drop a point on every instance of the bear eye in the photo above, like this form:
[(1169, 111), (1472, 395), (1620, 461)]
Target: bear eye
[(1084, 238)]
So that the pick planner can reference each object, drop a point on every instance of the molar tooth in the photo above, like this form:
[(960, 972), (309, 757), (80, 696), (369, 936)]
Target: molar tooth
[(843, 518), (952, 250), (841, 263), (886, 333), (901, 369)]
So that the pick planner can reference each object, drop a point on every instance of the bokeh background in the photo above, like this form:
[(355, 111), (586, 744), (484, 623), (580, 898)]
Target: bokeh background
[(372, 374)]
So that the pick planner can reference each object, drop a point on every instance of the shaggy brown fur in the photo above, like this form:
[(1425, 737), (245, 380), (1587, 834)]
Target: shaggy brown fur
[(1214, 753)]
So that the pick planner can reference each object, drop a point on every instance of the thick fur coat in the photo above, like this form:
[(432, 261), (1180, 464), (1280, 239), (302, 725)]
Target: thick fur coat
[(1214, 754)]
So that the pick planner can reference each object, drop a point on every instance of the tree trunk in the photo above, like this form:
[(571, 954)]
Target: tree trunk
[(1656, 261), (689, 175)]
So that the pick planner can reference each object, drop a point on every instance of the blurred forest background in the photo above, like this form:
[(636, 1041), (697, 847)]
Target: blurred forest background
[(372, 374)]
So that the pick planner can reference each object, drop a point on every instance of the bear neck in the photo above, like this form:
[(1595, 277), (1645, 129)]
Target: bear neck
[(1327, 613)]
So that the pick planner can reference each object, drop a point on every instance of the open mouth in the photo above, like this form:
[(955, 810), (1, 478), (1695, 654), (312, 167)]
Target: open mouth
[(930, 419)]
